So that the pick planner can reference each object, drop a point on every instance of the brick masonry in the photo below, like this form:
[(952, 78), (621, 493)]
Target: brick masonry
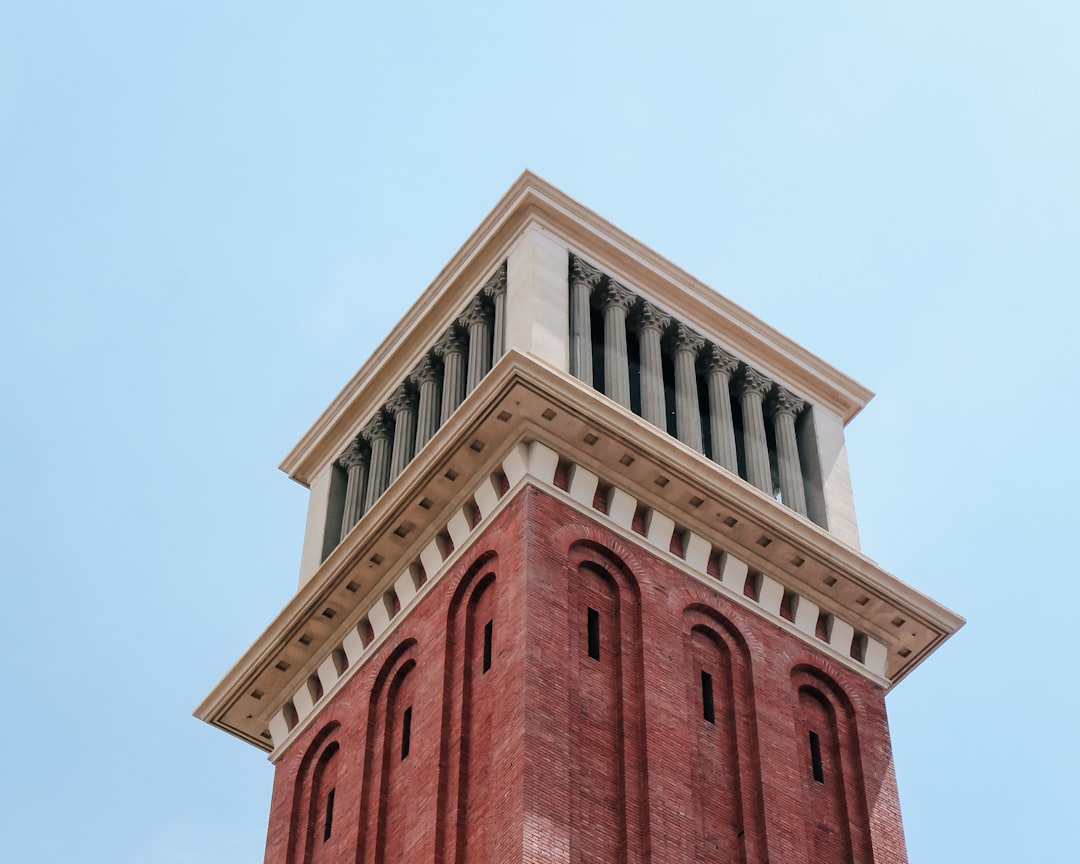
[(556, 755)]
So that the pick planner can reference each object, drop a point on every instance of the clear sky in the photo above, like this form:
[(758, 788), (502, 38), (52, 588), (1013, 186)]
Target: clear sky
[(211, 213)]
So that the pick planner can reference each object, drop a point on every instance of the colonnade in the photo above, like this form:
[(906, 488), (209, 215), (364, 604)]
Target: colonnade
[(425, 400), (694, 363)]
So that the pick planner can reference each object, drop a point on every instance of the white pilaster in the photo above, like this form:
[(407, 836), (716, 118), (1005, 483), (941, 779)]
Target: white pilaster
[(538, 297)]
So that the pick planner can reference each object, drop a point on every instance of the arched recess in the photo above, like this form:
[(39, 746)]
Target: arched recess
[(306, 804), (831, 769), (388, 821), (724, 756), (469, 815), (608, 791)]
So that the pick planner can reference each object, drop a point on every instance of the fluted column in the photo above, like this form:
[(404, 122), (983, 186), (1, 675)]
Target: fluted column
[(379, 433), (719, 366), (784, 409), (650, 323), (583, 279), (402, 406), (495, 291), (477, 320), (615, 301), (426, 380), (752, 387), (685, 344), (355, 462), (451, 348)]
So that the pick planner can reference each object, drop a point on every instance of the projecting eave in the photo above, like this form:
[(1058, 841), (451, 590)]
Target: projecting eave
[(532, 201), (522, 401)]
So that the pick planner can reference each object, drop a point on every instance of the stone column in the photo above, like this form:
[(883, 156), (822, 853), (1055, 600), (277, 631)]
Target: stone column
[(425, 378), (355, 462), (495, 290), (402, 406), (583, 279), (719, 366), (752, 387), (451, 348), (685, 344), (650, 324), (615, 301), (378, 432), (784, 409), (477, 320)]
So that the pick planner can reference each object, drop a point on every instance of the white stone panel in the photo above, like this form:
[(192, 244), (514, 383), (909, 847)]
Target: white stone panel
[(733, 573), (876, 655), (840, 635), (459, 529), (516, 464), (658, 529), (621, 507), (407, 584), (304, 699), (543, 462), (538, 297), (836, 477), (582, 484), (696, 550), (770, 595), (806, 615), (353, 645), (279, 729), (328, 673), (315, 530), (433, 555), (487, 496), (380, 614)]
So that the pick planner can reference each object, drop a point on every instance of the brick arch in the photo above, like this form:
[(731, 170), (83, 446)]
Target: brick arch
[(724, 753), (468, 813), (381, 793), (830, 765), (303, 799), (608, 771)]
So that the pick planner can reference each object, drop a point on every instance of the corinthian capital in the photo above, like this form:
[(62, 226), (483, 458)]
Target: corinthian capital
[(783, 402), (380, 426), (682, 338), (614, 294), (404, 399), (356, 455), (496, 285), (648, 317), (714, 359), (451, 342), (476, 313), (426, 371), (584, 274), (752, 381)]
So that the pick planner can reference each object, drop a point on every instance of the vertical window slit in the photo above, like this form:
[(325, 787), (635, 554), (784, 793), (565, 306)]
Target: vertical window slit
[(815, 758), (594, 634), (406, 731), (487, 645), (328, 825), (707, 697)]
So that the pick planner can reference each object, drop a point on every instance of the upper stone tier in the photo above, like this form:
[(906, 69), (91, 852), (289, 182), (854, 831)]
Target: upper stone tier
[(547, 277)]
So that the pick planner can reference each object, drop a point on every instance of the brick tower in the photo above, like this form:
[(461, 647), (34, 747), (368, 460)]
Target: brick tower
[(581, 582)]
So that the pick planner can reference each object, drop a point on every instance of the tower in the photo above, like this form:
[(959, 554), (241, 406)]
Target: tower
[(581, 582)]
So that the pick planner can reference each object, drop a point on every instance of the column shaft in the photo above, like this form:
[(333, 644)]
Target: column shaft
[(403, 407), (355, 463), (650, 323), (379, 433), (583, 279), (752, 388), (686, 345), (616, 300), (718, 368), (477, 319), (452, 350), (785, 408), (426, 379)]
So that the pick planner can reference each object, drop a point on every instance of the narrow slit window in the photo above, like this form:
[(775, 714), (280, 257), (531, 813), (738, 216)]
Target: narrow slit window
[(487, 645), (328, 825), (406, 731), (707, 710), (594, 634), (815, 758)]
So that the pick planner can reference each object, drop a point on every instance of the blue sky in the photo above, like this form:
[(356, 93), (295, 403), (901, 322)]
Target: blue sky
[(211, 213)]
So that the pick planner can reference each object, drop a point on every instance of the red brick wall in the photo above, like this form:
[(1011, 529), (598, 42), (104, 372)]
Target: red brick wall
[(553, 755)]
